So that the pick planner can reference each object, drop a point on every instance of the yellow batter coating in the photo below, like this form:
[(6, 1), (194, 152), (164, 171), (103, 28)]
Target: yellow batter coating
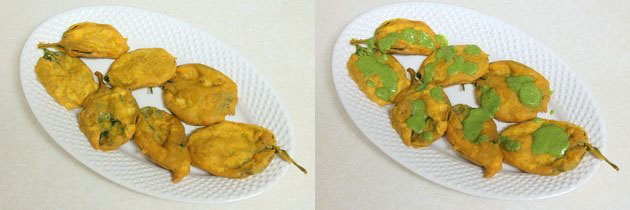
[(200, 95), (435, 111), (145, 67), (234, 150), (108, 118), (369, 84), (486, 152), (91, 40), (67, 79), (400, 46), (511, 109), (454, 64), (161, 137), (545, 164)]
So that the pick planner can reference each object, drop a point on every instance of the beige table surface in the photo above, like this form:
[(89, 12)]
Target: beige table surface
[(276, 36), (591, 37)]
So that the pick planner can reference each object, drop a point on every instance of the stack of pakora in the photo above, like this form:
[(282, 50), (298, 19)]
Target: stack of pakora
[(507, 91), (195, 94)]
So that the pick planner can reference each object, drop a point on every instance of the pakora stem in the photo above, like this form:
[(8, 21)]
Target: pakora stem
[(100, 78), (285, 156), (357, 41), (47, 45), (595, 152), (412, 73)]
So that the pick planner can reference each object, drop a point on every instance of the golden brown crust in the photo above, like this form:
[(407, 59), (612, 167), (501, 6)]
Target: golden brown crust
[(511, 109), (161, 137), (486, 153), (67, 79), (93, 40), (361, 80), (544, 164), (108, 118), (200, 95), (441, 76), (231, 149), (437, 111), (145, 67), (401, 46)]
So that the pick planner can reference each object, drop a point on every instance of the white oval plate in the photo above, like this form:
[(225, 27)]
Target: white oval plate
[(571, 101), (258, 104)]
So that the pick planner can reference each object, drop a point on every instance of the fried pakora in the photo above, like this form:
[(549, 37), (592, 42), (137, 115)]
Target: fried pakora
[(67, 79), (161, 137), (234, 150), (403, 36), (91, 40), (546, 147), (378, 75), (200, 95), (108, 118), (523, 91), (146, 67), (420, 113), (454, 64), (480, 148)]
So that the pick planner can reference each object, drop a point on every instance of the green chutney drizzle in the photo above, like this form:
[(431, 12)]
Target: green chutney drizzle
[(369, 65), (441, 40), (472, 50), (369, 83), (509, 144), (550, 139), (408, 35), (528, 94), (461, 65), (473, 123), (436, 93), (417, 119)]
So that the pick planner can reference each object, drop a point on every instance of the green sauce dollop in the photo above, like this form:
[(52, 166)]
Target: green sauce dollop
[(472, 50), (473, 123), (369, 83), (528, 94), (441, 40), (417, 119), (409, 35), (436, 93), (461, 65), (509, 144), (550, 139), (369, 65), (427, 135)]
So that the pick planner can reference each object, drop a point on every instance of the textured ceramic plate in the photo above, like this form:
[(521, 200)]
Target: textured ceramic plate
[(258, 104), (571, 101)]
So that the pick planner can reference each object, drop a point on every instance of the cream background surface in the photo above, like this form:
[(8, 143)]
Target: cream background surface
[(592, 37), (276, 36)]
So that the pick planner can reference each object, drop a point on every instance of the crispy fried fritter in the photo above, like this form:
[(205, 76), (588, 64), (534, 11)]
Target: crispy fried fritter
[(200, 95), (523, 91), (380, 77), (484, 150), (420, 113), (161, 137), (454, 64), (145, 67), (234, 150), (91, 40), (67, 79), (403, 36), (108, 118), (546, 147)]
